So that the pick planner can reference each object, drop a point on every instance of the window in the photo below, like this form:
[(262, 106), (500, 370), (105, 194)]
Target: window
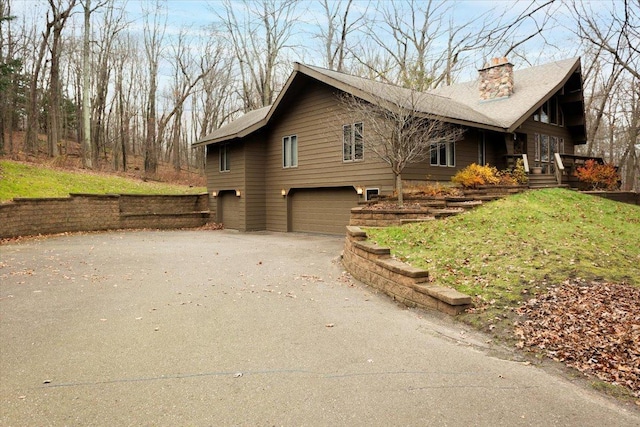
[(550, 112), (545, 148), (352, 142), (443, 154), (290, 151), (482, 151), (371, 193), (225, 166)]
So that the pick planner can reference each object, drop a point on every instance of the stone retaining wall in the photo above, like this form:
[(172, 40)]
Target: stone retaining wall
[(373, 265), (89, 212)]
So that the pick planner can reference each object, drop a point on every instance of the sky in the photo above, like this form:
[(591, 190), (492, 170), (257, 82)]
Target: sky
[(194, 16)]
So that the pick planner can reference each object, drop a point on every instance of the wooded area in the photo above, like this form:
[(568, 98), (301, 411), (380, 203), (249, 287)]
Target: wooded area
[(105, 80)]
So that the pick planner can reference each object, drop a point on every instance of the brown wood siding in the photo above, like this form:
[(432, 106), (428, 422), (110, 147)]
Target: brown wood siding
[(317, 119), (530, 127), (466, 153), (254, 155), (323, 210)]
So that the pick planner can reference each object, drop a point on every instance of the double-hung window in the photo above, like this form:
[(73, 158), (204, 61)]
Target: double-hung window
[(290, 151), (352, 142), (223, 152), (443, 154)]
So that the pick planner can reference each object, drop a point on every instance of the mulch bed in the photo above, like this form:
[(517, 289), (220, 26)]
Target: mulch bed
[(591, 326)]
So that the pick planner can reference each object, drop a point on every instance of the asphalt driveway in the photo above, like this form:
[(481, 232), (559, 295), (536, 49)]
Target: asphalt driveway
[(207, 328)]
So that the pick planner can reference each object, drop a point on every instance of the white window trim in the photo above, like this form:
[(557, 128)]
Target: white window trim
[(373, 191), (450, 154)]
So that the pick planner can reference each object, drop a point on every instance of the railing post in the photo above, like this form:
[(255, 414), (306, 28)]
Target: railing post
[(559, 167), (525, 163)]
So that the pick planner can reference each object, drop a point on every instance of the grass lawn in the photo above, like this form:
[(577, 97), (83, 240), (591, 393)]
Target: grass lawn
[(508, 250), (24, 180)]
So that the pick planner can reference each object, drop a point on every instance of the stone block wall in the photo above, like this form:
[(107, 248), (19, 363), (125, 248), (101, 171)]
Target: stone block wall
[(373, 265), (87, 212)]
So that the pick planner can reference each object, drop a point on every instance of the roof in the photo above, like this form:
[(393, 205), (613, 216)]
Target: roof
[(242, 126), (458, 103), (532, 86)]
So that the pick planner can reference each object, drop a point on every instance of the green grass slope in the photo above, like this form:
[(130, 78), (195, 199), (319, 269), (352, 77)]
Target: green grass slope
[(508, 249), (24, 180)]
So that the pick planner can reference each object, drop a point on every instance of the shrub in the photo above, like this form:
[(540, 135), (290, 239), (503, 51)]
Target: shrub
[(475, 175), (518, 173), (597, 176)]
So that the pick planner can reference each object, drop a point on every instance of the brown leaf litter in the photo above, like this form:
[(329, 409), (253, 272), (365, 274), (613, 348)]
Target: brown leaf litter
[(591, 326)]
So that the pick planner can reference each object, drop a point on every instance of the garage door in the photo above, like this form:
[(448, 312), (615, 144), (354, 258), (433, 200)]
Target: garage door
[(229, 211), (322, 210)]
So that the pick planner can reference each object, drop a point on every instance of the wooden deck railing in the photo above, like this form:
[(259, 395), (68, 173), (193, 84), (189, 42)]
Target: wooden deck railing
[(559, 169)]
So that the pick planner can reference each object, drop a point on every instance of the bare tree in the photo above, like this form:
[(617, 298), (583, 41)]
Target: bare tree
[(184, 82), (630, 159), (59, 16), (259, 35), (611, 35), (614, 29), (10, 66), (33, 122), (89, 155), (153, 35), (398, 129), (339, 26), (409, 32)]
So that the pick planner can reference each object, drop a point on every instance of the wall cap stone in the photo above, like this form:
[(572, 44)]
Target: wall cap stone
[(372, 248), (402, 268), (354, 231), (377, 269)]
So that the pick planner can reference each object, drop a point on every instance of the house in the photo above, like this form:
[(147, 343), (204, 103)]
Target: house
[(300, 165)]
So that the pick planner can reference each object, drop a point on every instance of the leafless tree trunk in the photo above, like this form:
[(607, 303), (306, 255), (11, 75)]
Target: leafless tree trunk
[(88, 155), (86, 90), (397, 130), (33, 122), (153, 35), (9, 68), (184, 83), (57, 23)]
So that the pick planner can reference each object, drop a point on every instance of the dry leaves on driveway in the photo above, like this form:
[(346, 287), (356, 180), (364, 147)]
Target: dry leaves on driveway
[(591, 326)]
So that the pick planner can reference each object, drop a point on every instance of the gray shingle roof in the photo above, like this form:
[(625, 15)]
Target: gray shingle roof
[(238, 128), (532, 86), (426, 102), (459, 103)]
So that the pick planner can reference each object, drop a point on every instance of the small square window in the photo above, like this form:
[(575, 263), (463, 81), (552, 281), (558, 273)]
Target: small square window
[(371, 193)]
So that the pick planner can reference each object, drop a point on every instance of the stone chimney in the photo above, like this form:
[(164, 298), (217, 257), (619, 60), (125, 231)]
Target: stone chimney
[(496, 79)]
